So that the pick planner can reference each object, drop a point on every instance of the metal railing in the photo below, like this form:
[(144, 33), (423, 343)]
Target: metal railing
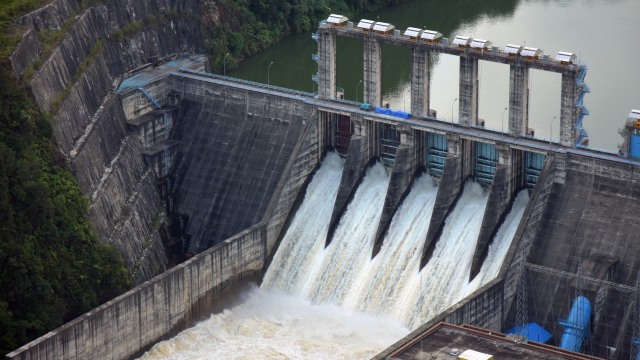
[(246, 82)]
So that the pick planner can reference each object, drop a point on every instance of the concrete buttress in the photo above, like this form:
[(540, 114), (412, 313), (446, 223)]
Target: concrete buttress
[(360, 155), (498, 206), (449, 191), (402, 176)]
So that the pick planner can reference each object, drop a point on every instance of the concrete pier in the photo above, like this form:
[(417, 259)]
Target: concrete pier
[(420, 82), (569, 111), (518, 99), (407, 162), (456, 170), (326, 65), (468, 98), (362, 151), (501, 196), (372, 84), (573, 87)]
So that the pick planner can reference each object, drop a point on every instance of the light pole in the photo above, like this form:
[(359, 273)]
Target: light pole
[(268, 70), (224, 64), (505, 110), (454, 101), (357, 86), (404, 100)]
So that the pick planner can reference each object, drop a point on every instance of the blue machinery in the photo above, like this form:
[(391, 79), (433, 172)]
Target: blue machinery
[(576, 327), (389, 142), (533, 164), (485, 163), (437, 150), (584, 89)]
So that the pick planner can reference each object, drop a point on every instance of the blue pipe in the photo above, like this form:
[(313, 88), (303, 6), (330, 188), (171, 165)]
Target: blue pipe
[(576, 327)]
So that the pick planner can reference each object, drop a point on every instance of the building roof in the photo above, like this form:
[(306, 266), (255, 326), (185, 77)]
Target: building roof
[(446, 342), (383, 27), (513, 49), (430, 35), (474, 355), (480, 44), (566, 57), (366, 24), (531, 52), (413, 32), (461, 40), (337, 19)]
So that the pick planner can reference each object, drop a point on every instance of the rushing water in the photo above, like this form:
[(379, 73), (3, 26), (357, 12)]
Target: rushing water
[(500, 245), (337, 302), (273, 325), (603, 33)]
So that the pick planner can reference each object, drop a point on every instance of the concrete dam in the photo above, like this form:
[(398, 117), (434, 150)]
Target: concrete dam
[(172, 155)]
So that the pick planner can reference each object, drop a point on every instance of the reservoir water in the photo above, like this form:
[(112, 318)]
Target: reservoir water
[(603, 33)]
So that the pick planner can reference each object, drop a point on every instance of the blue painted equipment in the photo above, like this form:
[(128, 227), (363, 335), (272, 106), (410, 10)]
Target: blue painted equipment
[(387, 111), (365, 106), (532, 331), (634, 149), (576, 327), (150, 97)]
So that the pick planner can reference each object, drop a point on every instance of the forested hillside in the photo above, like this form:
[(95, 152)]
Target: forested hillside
[(245, 27), (53, 268)]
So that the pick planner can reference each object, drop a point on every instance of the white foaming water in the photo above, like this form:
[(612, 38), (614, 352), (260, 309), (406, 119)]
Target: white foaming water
[(338, 268), (388, 274), (317, 317), (305, 237), (501, 243), (442, 281), (272, 325)]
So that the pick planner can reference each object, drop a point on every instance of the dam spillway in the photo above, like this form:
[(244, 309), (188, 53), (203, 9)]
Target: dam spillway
[(388, 293), (459, 154), (573, 237)]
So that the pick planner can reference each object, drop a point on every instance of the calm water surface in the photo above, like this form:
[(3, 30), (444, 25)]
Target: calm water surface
[(604, 33)]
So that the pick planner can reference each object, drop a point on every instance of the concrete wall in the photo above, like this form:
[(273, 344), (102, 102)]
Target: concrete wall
[(157, 309), (588, 235), (521, 246), (235, 146), (305, 159)]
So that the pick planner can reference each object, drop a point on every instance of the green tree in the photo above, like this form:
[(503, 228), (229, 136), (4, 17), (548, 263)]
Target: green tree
[(53, 267)]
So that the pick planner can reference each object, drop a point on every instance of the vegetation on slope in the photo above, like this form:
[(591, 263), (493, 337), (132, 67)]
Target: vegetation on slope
[(245, 27), (52, 267)]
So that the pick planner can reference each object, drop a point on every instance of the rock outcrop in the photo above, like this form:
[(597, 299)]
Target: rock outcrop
[(103, 42)]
